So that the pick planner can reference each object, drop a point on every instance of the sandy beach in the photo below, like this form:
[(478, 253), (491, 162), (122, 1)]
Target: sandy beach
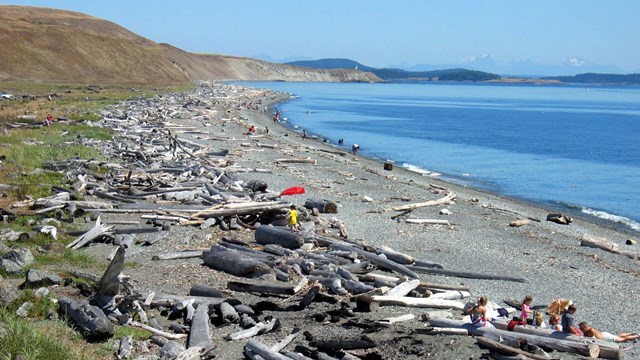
[(479, 239)]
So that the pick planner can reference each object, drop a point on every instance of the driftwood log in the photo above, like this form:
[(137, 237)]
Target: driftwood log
[(506, 349), (279, 236), (323, 205), (587, 348), (88, 317), (464, 274), (377, 260), (97, 231), (447, 199), (606, 245), (417, 302), (608, 350), (234, 263), (200, 334)]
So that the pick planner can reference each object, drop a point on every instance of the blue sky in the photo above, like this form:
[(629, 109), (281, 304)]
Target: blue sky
[(382, 33)]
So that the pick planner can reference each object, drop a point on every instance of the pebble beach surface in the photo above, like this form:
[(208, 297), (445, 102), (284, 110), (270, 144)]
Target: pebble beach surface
[(548, 255)]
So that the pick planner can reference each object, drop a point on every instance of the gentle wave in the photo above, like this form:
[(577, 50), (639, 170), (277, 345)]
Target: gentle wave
[(612, 217), (419, 170)]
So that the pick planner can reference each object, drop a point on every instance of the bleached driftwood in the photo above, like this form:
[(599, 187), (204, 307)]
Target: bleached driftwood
[(404, 288), (259, 328), (448, 199), (187, 254), (606, 245), (155, 331), (450, 295), (417, 302), (395, 319), (97, 231), (256, 347), (428, 221)]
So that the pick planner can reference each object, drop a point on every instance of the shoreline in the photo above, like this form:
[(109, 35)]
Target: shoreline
[(478, 238), (544, 250), (575, 211)]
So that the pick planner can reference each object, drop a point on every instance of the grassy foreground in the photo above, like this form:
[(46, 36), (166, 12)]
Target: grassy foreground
[(26, 146)]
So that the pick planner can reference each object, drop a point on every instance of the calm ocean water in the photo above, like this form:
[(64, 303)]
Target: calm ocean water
[(572, 148)]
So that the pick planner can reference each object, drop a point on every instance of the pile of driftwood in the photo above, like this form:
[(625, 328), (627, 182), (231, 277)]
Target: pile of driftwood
[(168, 180)]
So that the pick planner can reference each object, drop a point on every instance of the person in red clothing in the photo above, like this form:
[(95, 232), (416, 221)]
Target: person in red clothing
[(49, 120)]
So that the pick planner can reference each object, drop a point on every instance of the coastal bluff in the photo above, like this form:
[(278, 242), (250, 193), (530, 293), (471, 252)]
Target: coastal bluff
[(50, 45)]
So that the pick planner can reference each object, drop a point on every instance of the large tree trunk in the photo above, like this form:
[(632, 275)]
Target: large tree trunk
[(232, 262), (608, 350), (279, 236), (586, 348)]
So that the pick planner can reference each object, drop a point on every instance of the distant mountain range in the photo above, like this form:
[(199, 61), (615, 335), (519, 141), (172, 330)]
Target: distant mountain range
[(390, 74), (570, 66)]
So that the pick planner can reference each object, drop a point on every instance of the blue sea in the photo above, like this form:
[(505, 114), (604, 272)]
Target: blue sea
[(571, 148)]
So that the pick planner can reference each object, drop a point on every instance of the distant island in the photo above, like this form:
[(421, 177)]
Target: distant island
[(388, 74), (460, 74), (600, 79)]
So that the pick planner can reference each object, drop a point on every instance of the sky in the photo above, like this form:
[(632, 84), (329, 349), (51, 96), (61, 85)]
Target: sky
[(383, 33)]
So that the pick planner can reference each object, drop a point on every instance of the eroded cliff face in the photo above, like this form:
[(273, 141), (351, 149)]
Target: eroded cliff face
[(222, 67), (38, 44)]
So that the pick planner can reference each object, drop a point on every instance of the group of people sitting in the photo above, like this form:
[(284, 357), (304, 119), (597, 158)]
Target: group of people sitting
[(564, 323)]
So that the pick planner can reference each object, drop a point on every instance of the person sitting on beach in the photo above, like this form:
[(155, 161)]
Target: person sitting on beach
[(252, 129), (48, 120), (606, 336), (525, 309), (478, 313), (538, 319), (293, 219), (554, 322), (567, 321)]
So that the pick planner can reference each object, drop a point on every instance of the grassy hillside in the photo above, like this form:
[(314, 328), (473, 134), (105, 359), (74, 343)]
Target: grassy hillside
[(40, 44)]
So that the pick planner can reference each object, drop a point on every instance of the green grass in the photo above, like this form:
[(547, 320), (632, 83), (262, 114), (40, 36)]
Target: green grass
[(135, 333), (70, 257), (40, 308), (45, 340), (28, 342)]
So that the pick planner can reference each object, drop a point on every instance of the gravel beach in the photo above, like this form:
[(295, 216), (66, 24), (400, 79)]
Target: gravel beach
[(548, 255)]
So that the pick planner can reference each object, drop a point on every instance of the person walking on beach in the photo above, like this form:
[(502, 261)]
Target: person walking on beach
[(304, 134), (293, 218), (266, 130), (478, 313), (567, 321), (606, 336), (355, 148)]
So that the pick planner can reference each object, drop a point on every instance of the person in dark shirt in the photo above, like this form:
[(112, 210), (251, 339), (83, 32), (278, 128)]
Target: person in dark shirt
[(568, 326)]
